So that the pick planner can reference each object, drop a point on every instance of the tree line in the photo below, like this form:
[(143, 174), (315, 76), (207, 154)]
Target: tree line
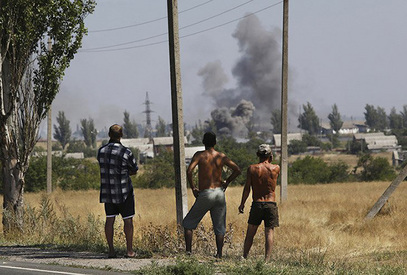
[(63, 131)]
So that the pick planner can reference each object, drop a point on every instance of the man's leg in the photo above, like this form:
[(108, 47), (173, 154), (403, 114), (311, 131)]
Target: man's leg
[(128, 232), (248, 242), (219, 245), (109, 230), (188, 240), (269, 235)]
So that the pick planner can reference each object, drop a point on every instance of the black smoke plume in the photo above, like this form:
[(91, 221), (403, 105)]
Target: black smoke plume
[(258, 76)]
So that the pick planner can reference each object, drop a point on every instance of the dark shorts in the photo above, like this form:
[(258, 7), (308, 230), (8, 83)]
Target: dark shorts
[(125, 209), (267, 211)]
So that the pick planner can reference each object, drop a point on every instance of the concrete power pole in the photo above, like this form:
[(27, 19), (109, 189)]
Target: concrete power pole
[(177, 113), (284, 80), (49, 139)]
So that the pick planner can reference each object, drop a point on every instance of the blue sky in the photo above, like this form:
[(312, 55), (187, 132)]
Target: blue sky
[(348, 52)]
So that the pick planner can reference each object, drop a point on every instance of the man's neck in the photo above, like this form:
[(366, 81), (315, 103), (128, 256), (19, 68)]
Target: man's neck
[(209, 148), (114, 140)]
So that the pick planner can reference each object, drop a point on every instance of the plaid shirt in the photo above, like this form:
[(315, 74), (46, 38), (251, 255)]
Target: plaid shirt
[(116, 162)]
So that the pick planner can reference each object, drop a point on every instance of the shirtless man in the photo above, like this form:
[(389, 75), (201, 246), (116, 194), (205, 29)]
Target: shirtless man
[(262, 178), (210, 193)]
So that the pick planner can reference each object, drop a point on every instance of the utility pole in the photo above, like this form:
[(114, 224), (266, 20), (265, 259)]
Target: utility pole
[(49, 139), (177, 113), (284, 81)]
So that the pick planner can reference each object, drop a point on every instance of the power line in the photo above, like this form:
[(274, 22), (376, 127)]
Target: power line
[(105, 48), (147, 22), (166, 33)]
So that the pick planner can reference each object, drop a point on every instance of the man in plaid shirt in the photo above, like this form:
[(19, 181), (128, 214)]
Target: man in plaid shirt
[(117, 163)]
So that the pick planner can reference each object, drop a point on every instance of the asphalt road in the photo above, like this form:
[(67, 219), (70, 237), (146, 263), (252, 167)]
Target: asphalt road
[(35, 260), (24, 268)]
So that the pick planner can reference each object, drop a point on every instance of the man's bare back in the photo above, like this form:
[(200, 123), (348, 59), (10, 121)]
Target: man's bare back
[(210, 163), (263, 180)]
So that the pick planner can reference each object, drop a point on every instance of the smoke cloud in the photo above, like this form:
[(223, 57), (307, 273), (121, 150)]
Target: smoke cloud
[(258, 76), (233, 121)]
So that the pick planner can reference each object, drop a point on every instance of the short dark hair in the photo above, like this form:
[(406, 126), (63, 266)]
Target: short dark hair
[(115, 131), (209, 139)]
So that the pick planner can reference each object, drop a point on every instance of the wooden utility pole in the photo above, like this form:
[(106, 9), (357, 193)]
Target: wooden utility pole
[(177, 113), (386, 195), (49, 139), (284, 81)]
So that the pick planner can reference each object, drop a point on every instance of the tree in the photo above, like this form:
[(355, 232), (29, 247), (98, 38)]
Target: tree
[(276, 121), (376, 119), (309, 120), (335, 119), (89, 132), (404, 116), (63, 130), (161, 128), (29, 80), (129, 127), (395, 119), (383, 122)]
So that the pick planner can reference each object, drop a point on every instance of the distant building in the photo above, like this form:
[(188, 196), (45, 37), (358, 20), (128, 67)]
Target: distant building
[(146, 149), (399, 157), (378, 141), (276, 140), (164, 142), (348, 127)]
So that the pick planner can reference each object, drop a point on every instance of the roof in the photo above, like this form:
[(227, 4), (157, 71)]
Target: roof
[(290, 137), (134, 142), (190, 151), (378, 140), (349, 124), (166, 140)]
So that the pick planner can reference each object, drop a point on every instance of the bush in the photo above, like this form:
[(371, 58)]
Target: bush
[(311, 140), (355, 147), (339, 172), (377, 168), (296, 147), (82, 175), (312, 170), (158, 172), (67, 173), (309, 170)]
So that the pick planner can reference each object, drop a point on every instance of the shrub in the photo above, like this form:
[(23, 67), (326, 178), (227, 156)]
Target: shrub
[(69, 174), (309, 170), (83, 175), (158, 172), (312, 170), (377, 168), (311, 140), (339, 172), (296, 147)]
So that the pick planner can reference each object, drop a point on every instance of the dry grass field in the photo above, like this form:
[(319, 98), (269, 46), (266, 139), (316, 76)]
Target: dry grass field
[(321, 220)]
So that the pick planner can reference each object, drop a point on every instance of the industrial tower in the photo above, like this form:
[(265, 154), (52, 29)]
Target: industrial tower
[(148, 131)]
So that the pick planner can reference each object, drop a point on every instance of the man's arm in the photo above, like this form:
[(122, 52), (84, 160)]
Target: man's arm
[(236, 172), (191, 167), (132, 164), (246, 190)]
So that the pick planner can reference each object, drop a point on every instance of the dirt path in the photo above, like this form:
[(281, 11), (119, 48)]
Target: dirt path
[(72, 258)]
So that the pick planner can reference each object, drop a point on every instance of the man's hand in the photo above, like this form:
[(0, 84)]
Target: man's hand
[(241, 208), (195, 191)]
